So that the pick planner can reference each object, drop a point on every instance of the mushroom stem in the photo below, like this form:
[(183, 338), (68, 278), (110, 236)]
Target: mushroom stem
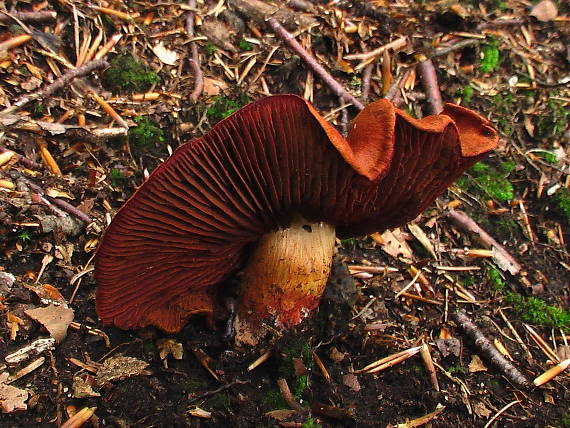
[(285, 277)]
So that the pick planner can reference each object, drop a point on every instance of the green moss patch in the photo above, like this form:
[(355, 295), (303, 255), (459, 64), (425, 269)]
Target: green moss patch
[(129, 75), (538, 312), (146, 134)]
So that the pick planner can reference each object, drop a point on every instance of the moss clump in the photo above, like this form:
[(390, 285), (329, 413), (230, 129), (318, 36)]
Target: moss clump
[(210, 48), (491, 56), (548, 157), (537, 311), (224, 107), (127, 74), (496, 280), (219, 402), (467, 94), (244, 45), (456, 369), (25, 236), (311, 423), (355, 83), (493, 182), (146, 134), (274, 400), (565, 421), (562, 199), (554, 120), (504, 108), (116, 177), (299, 384)]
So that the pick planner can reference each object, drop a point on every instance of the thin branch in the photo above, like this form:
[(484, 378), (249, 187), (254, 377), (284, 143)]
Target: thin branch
[(456, 46), (64, 205), (28, 163), (22, 123), (288, 396), (195, 60), (501, 23), (488, 350), (366, 76), (429, 79), (61, 82), (41, 16), (394, 93), (500, 253), (217, 390), (394, 44), (313, 64)]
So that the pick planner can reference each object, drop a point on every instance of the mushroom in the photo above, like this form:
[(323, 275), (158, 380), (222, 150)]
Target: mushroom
[(266, 191)]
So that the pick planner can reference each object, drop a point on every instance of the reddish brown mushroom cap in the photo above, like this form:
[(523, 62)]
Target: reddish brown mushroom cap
[(187, 228)]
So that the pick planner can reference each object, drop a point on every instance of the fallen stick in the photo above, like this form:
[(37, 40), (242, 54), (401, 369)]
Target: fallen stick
[(195, 60), (501, 23), (288, 396), (261, 11), (488, 350), (366, 76), (313, 64), (41, 16), (217, 390), (59, 83), (500, 255), (28, 163), (429, 79), (22, 123), (65, 206), (459, 45), (394, 44)]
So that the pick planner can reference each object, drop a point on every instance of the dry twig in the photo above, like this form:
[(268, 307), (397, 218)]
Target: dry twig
[(195, 60), (40, 16), (313, 64), (502, 256), (429, 79), (28, 163), (61, 82), (288, 396), (217, 390), (488, 349)]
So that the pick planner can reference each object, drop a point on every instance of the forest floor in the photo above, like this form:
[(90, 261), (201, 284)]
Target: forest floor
[(128, 92)]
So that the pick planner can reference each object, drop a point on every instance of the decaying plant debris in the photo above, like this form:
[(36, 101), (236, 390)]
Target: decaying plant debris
[(458, 319)]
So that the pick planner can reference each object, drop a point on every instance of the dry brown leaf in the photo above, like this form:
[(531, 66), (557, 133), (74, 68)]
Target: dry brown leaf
[(394, 243), (281, 415), (420, 235), (12, 399), (119, 367), (213, 87), (451, 346), (336, 355), (476, 365), (54, 318), (299, 367), (56, 193), (481, 410), (544, 11), (47, 294), (351, 381), (82, 388)]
